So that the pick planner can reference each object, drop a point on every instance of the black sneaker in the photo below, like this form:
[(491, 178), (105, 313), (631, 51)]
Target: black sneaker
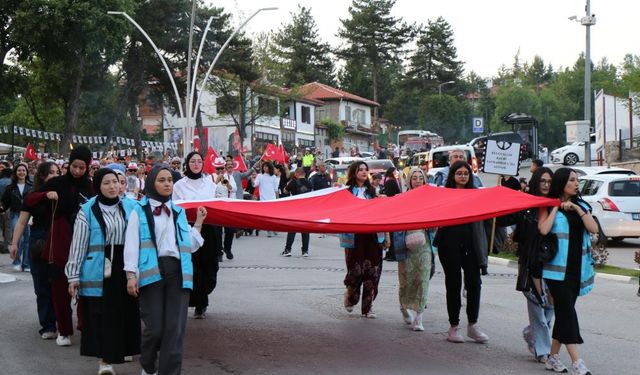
[(286, 253), (199, 312), (229, 254), (305, 254)]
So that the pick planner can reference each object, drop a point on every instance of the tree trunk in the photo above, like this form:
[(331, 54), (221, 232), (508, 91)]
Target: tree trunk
[(374, 77), (71, 108), (242, 115)]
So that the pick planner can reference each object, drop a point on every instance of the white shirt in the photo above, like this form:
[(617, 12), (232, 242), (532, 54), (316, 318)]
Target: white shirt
[(189, 189), (21, 187), (268, 186), (232, 183), (165, 234)]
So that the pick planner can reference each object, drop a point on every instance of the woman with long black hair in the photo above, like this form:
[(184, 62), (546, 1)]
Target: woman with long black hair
[(463, 247), (196, 185), (570, 273), (39, 210), (95, 270), (363, 252), (12, 200)]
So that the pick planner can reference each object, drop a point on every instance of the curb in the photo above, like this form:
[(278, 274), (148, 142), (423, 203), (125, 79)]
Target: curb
[(600, 275), (6, 278)]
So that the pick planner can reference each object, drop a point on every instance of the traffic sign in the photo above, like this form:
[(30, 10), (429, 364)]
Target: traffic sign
[(477, 125)]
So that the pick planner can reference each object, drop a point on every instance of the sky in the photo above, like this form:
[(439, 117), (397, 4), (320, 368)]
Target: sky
[(487, 33)]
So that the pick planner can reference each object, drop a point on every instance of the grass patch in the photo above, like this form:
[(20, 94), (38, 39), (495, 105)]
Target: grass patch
[(613, 270)]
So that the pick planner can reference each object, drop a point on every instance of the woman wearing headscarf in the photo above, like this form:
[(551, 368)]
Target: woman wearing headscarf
[(463, 247), (363, 252), (195, 185), (157, 258), (95, 270), (40, 211), (12, 200), (68, 192), (414, 266)]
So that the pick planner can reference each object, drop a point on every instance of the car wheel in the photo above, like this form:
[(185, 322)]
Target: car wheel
[(616, 239), (570, 159)]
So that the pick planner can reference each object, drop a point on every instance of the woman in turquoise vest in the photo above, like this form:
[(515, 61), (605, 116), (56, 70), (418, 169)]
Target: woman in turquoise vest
[(111, 319), (157, 258), (363, 251), (570, 273)]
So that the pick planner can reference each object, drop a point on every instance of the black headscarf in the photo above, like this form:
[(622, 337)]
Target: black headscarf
[(150, 183), (97, 181), (72, 192), (187, 171)]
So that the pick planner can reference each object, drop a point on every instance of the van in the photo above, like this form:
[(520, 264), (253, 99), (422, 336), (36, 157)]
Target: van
[(439, 157)]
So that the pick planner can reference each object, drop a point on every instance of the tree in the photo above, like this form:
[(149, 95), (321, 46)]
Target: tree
[(375, 37), (298, 47), (436, 58), (443, 114), (77, 43)]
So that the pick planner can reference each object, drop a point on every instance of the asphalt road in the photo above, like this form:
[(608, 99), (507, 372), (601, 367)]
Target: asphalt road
[(275, 315)]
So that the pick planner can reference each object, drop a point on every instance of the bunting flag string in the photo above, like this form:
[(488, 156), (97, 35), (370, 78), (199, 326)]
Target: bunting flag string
[(85, 139)]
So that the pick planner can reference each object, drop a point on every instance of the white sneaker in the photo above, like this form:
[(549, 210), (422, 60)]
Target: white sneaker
[(17, 268), (146, 373), (474, 333), (554, 364), (455, 335), (347, 306), (48, 335), (407, 316), (128, 358), (106, 369), (578, 368), (63, 341), (370, 315), (417, 323)]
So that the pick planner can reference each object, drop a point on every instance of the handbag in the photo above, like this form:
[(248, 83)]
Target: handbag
[(547, 247), (107, 264), (415, 239)]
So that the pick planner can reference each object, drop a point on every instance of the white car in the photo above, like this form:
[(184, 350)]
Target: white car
[(347, 160), (615, 200), (573, 153), (587, 171)]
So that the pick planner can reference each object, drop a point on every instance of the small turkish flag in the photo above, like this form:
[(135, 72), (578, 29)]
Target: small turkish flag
[(282, 154), (238, 164), (208, 161), (30, 153), (270, 152)]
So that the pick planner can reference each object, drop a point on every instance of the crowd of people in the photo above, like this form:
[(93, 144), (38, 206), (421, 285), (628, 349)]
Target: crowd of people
[(109, 236)]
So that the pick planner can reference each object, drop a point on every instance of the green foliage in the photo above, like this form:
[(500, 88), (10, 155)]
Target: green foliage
[(297, 46), (334, 129), (444, 115)]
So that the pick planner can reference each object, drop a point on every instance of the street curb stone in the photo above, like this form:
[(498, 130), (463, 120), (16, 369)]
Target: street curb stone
[(514, 264)]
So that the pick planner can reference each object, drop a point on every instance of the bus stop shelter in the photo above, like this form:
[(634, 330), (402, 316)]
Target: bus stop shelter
[(527, 126)]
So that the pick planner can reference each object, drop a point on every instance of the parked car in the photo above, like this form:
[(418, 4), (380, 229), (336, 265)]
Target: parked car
[(588, 171), (439, 158), (347, 160), (573, 153), (414, 161), (615, 200)]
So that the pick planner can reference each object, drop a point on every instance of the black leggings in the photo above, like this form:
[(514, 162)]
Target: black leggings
[(565, 328), (454, 260)]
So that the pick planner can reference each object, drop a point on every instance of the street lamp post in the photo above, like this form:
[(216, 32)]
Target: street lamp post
[(191, 82), (587, 21), (443, 84)]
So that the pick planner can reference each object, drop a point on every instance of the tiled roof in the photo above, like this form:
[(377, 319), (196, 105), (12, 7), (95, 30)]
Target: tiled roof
[(320, 91)]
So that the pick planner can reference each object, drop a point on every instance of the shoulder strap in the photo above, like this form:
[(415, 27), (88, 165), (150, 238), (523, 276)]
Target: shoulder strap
[(150, 223)]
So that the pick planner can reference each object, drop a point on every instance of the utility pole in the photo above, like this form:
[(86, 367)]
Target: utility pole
[(588, 20)]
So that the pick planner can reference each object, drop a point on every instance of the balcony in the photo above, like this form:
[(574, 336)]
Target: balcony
[(288, 123)]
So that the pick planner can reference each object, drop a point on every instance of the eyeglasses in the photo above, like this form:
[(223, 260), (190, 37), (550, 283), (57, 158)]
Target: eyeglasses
[(462, 174), (220, 169), (545, 182)]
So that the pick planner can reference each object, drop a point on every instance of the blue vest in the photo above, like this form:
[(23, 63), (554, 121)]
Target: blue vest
[(347, 240), (557, 267), (92, 269), (148, 260)]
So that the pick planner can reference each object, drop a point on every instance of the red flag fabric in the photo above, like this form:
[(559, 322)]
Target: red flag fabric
[(30, 153), (282, 154), (208, 161), (338, 211), (239, 164), (270, 153)]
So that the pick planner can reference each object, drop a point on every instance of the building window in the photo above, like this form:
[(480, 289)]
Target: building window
[(288, 137), (347, 113), (358, 116), (227, 104), (306, 114), (321, 114), (267, 106), (306, 143)]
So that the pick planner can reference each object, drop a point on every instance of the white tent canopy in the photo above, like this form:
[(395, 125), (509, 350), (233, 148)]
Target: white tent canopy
[(5, 149)]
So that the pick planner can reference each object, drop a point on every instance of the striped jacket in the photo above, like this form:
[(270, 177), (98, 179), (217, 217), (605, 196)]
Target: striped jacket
[(148, 260), (557, 267), (92, 269)]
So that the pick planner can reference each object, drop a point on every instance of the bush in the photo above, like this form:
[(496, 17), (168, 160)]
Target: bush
[(335, 130)]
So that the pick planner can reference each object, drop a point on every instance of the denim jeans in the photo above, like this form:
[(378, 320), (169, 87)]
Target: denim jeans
[(539, 329), (22, 256)]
